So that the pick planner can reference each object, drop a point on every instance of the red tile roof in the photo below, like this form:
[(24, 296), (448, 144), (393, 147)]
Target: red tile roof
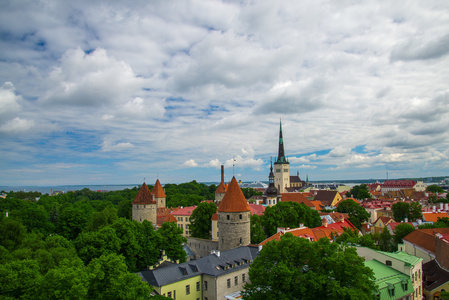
[(158, 191), (296, 197), (144, 196), (161, 219), (234, 200), (399, 184), (185, 211), (425, 238), (393, 225), (318, 205), (256, 209)]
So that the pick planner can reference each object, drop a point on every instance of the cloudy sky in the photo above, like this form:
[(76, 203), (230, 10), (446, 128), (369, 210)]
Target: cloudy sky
[(111, 92)]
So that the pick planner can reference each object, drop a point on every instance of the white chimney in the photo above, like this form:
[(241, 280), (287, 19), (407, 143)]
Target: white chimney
[(406, 220), (434, 208), (446, 206), (419, 222), (441, 205)]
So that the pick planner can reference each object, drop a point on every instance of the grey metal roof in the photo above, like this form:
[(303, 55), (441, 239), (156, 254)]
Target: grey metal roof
[(213, 265)]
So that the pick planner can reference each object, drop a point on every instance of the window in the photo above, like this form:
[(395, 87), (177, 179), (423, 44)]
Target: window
[(188, 289), (169, 294), (205, 285), (228, 217), (229, 283), (388, 262), (236, 280), (174, 294), (198, 286), (241, 217), (181, 226), (240, 240), (243, 278)]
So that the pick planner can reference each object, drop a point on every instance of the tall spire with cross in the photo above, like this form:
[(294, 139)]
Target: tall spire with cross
[(281, 155)]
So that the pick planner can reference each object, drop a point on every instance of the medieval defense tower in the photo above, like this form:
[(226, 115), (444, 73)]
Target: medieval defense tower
[(233, 219), (159, 194), (281, 167), (144, 206), (221, 189)]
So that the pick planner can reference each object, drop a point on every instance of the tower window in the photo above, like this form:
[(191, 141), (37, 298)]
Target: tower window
[(228, 217), (241, 217)]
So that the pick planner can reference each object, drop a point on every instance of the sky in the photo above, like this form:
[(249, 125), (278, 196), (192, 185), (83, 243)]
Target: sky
[(121, 92)]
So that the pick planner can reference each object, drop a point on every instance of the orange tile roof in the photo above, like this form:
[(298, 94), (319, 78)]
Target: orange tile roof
[(313, 234), (318, 205), (158, 191), (296, 197), (433, 217), (144, 196), (234, 200), (221, 189)]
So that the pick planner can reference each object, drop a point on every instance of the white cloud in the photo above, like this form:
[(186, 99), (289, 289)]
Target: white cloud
[(109, 146), (9, 102), (16, 126), (190, 163)]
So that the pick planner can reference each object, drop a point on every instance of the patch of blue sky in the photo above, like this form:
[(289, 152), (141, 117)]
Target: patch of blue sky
[(317, 153)]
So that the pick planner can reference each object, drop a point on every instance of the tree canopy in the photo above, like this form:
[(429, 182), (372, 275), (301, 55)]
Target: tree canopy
[(357, 214), (402, 210), (200, 220), (294, 268), (289, 214), (360, 192)]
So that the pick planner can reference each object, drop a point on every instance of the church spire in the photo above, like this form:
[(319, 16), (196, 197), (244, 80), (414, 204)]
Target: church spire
[(281, 156)]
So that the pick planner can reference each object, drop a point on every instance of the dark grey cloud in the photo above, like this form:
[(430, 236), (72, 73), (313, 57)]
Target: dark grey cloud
[(423, 48)]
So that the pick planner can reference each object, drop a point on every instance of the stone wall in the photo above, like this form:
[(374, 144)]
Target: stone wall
[(201, 247), (442, 252), (142, 212), (233, 230)]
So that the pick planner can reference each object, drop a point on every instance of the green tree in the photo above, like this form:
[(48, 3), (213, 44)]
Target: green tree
[(357, 214), (18, 279), (172, 241), (125, 209), (295, 268), (200, 220), (69, 280), (289, 214), (35, 217), (109, 279), (12, 232), (360, 192), (92, 244), (401, 211), (435, 188), (386, 242), (71, 222), (415, 211), (126, 231), (401, 230), (257, 233)]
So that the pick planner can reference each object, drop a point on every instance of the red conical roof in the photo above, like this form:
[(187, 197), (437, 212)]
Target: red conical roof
[(234, 200), (158, 191), (221, 189), (144, 196)]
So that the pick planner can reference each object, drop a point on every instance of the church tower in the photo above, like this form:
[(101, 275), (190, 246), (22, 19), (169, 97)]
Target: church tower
[(281, 166), (159, 194), (233, 219), (143, 206), (271, 196)]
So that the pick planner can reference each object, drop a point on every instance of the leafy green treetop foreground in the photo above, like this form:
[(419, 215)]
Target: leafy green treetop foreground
[(294, 268)]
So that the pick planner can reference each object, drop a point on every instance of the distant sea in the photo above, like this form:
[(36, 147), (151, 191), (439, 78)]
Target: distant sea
[(67, 188)]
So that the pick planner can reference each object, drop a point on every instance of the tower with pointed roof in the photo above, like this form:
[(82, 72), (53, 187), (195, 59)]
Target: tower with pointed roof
[(221, 189), (234, 216), (159, 194), (281, 166), (271, 196), (143, 206)]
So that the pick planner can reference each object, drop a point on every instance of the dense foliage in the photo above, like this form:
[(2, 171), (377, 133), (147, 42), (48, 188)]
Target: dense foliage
[(360, 192), (295, 268), (402, 210), (79, 245), (357, 214), (189, 193), (288, 214), (435, 188), (200, 220)]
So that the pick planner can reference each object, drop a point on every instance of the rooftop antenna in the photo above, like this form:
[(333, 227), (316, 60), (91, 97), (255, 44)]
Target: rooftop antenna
[(144, 179), (233, 165)]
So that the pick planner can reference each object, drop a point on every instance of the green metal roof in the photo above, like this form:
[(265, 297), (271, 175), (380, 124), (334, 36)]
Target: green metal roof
[(408, 259), (389, 280)]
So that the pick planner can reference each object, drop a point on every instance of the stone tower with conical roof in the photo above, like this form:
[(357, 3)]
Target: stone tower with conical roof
[(143, 206), (159, 194), (221, 189), (234, 216), (281, 166)]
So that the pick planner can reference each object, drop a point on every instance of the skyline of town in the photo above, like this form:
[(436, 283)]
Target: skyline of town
[(106, 93)]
